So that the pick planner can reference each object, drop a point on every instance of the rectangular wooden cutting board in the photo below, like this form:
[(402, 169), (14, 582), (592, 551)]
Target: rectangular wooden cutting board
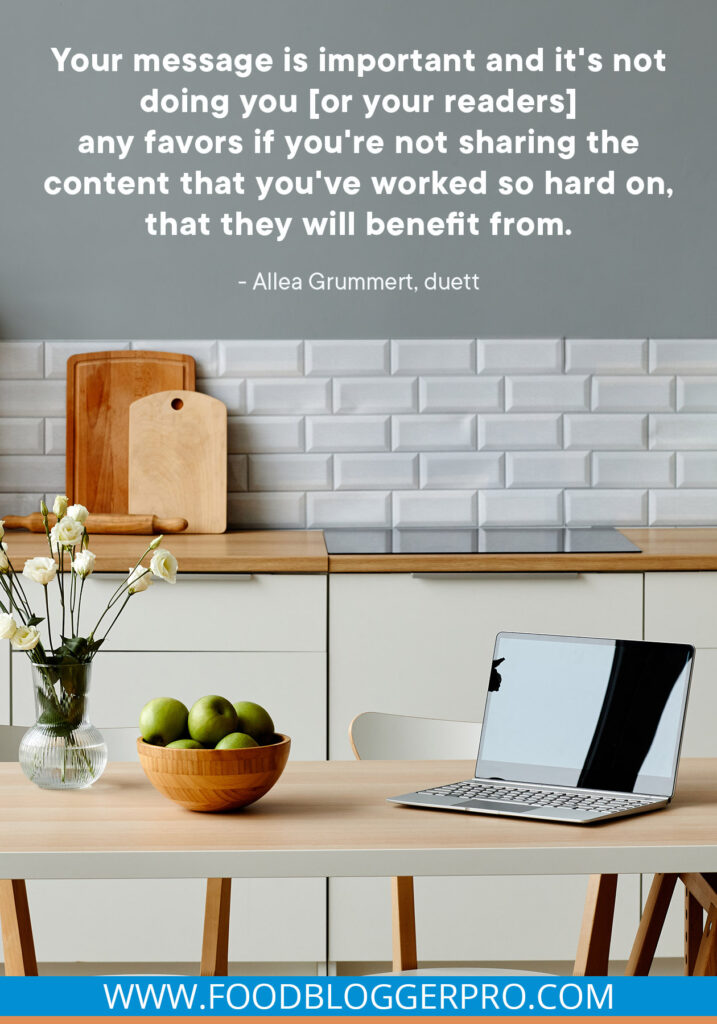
[(178, 458), (101, 386)]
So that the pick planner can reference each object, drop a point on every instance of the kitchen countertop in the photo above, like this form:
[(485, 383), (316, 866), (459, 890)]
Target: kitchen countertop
[(299, 551)]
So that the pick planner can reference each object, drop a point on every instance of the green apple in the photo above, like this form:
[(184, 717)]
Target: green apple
[(235, 741), (163, 720), (210, 719), (255, 721), (185, 744)]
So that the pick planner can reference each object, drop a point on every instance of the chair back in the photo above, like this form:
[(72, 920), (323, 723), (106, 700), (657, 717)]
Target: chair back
[(378, 736)]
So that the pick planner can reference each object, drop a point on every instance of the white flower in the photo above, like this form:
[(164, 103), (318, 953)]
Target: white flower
[(8, 626), (4, 560), (60, 506), (156, 542), (164, 565), (40, 570), (84, 563), (67, 533), (78, 512), (139, 579), (25, 638)]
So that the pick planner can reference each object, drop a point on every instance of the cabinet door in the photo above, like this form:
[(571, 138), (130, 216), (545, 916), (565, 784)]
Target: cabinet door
[(5, 698), (65, 914), (423, 646)]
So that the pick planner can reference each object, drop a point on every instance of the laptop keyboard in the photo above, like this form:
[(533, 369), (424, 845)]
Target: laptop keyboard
[(593, 803)]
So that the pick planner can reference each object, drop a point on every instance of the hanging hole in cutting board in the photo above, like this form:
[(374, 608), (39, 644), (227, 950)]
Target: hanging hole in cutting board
[(177, 404)]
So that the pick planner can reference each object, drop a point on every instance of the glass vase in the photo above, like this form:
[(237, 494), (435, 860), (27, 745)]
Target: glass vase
[(62, 750)]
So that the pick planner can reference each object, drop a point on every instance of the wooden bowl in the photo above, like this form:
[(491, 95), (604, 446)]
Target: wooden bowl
[(214, 780)]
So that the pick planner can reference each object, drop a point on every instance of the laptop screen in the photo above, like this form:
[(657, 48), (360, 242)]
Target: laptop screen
[(596, 714)]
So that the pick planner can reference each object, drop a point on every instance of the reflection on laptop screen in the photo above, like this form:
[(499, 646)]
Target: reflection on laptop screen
[(598, 714)]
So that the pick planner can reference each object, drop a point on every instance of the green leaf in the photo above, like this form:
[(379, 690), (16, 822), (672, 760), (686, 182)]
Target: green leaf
[(34, 620)]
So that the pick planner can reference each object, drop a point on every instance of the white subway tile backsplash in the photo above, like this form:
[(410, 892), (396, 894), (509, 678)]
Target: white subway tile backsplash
[(683, 355), (261, 358), (633, 394), (697, 469), (697, 394), (346, 358), (541, 430), (289, 472), (605, 431), (439, 508), (547, 469), (348, 433), (683, 507), (433, 433), (265, 434), (543, 394), (22, 437), (55, 436), (683, 430), (375, 471), (28, 397), (604, 508), (520, 508), (288, 396), (538, 355), (417, 431), (461, 470), (58, 352), (460, 394), (375, 394), (32, 473), (589, 355), (633, 469), (423, 357), (21, 360), (284, 511), (348, 508), (204, 353)]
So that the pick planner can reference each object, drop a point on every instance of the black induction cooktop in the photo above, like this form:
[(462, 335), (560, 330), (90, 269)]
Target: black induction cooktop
[(487, 540)]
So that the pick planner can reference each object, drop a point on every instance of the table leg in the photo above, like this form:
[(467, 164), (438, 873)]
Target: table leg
[(215, 942), (706, 962), (651, 922), (694, 925), (17, 940), (404, 924), (596, 931)]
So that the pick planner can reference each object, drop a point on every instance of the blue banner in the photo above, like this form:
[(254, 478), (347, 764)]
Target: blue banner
[(379, 996)]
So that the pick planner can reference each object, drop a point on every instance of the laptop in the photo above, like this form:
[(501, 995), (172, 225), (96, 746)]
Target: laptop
[(575, 730)]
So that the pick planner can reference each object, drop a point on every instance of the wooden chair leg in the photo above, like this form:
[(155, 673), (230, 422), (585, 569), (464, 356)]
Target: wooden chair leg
[(404, 924), (694, 925), (17, 941), (706, 961), (651, 922), (215, 942), (594, 943)]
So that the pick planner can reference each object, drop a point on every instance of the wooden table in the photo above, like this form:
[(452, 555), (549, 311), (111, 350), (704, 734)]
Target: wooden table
[(332, 819)]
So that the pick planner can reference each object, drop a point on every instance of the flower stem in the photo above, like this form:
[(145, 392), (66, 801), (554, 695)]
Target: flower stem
[(116, 617), (47, 608)]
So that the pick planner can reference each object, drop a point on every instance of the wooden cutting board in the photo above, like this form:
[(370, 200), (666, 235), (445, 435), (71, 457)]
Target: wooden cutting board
[(101, 386), (178, 458)]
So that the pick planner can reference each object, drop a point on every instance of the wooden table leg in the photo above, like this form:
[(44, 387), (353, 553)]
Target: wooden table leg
[(694, 925), (17, 941), (215, 942), (706, 962), (594, 944), (651, 922), (404, 924)]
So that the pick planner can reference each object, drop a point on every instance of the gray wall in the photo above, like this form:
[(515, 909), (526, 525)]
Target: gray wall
[(420, 432), (85, 269)]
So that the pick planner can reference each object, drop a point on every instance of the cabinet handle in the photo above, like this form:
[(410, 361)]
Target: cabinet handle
[(495, 575)]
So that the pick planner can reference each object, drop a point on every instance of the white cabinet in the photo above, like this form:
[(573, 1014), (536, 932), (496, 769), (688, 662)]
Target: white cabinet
[(5, 707), (423, 645), (259, 638)]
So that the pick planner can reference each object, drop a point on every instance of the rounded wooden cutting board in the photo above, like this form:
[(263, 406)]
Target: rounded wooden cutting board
[(178, 458)]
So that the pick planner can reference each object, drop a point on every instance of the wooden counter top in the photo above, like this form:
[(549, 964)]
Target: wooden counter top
[(247, 551), (663, 550)]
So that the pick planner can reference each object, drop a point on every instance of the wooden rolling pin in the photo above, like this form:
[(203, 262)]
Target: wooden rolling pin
[(104, 522)]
